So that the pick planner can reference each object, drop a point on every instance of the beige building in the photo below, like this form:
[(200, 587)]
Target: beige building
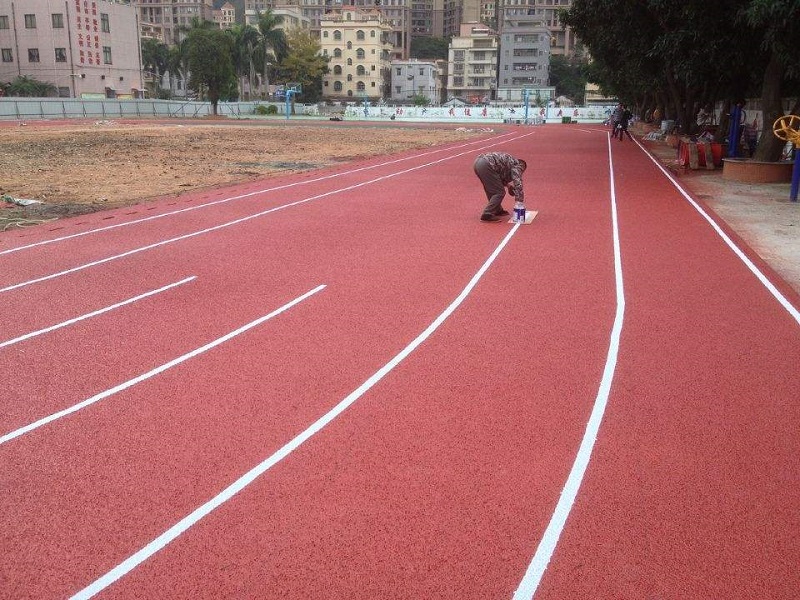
[(291, 14), (359, 47), (472, 64), (171, 15), (225, 17), (82, 47), (441, 18)]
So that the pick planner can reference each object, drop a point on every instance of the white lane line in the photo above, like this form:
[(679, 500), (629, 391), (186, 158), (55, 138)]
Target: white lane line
[(152, 373), (191, 519), (794, 312), (95, 313), (544, 552), (247, 195), (240, 220)]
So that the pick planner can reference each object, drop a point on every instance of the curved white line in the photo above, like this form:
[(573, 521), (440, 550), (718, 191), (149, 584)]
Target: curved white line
[(191, 519), (544, 552)]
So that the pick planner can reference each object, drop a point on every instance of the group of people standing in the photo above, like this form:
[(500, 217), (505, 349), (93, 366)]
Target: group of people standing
[(620, 119)]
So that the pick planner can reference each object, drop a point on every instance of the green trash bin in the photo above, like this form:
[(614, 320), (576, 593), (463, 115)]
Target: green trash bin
[(566, 119)]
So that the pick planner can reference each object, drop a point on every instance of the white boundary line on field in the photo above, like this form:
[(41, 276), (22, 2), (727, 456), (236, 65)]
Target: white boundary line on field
[(94, 313), (794, 312), (153, 372), (202, 511), (243, 219), (544, 552), (247, 195)]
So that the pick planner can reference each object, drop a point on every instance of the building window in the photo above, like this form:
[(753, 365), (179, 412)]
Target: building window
[(360, 54), (337, 53), (349, 62), (3, 21), (33, 55), (337, 86), (398, 89), (324, 34), (360, 86), (349, 45), (30, 21), (337, 70), (337, 35), (361, 71), (360, 35), (399, 71), (63, 92), (372, 33), (8, 56), (107, 55), (58, 20), (349, 77), (61, 55), (105, 26)]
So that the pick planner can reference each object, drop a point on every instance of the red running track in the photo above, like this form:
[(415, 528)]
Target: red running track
[(344, 385)]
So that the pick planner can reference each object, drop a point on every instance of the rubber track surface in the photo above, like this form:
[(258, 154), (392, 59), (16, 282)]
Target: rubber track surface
[(439, 480)]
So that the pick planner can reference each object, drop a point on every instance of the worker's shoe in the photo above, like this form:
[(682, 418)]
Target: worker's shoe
[(502, 213), (488, 217)]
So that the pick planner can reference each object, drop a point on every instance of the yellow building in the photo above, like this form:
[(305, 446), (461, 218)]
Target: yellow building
[(358, 43)]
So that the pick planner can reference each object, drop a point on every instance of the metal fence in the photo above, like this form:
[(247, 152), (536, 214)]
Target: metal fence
[(73, 108)]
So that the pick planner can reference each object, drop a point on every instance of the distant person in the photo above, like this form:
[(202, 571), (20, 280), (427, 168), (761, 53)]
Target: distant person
[(499, 172), (622, 126), (615, 117)]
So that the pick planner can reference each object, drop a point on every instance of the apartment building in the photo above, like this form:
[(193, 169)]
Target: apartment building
[(563, 40), (413, 77), (84, 48), (524, 57), (442, 18), (358, 43), (172, 16), (472, 64)]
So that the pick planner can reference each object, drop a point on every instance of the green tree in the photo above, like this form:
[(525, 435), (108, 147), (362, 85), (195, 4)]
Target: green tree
[(209, 53), (245, 41), (429, 48), (568, 76), (304, 64), (155, 60), (29, 87), (777, 23), (272, 44), (693, 53)]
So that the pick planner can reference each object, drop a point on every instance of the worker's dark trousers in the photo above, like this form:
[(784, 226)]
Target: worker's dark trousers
[(492, 185)]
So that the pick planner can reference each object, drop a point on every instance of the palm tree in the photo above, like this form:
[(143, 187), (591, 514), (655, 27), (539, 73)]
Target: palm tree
[(245, 41), (272, 42)]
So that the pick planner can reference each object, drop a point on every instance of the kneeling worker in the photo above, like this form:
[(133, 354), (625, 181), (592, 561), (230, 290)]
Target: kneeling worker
[(498, 170)]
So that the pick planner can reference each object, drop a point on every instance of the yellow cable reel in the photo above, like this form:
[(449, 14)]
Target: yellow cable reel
[(787, 128)]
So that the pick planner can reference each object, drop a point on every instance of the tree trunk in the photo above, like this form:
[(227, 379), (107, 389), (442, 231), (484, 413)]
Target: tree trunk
[(724, 122), (770, 147)]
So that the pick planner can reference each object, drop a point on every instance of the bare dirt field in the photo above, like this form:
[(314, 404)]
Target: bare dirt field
[(75, 168)]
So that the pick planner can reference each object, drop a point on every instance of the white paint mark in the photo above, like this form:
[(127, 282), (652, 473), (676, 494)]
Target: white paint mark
[(95, 313), (544, 552), (191, 519), (152, 373)]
